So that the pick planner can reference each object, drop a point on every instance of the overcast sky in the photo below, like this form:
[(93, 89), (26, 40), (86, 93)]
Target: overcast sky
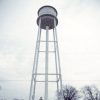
[(78, 35)]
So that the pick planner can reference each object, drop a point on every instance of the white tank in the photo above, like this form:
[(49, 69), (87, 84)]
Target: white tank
[(47, 10)]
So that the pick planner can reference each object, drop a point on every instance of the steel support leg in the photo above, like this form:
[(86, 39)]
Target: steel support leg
[(35, 65), (57, 48), (46, 65)]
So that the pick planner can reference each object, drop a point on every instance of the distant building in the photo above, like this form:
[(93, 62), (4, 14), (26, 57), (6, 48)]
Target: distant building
[(17, 99), (3, 99)]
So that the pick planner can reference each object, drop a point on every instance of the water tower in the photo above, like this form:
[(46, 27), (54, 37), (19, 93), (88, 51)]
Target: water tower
[(47, 22)]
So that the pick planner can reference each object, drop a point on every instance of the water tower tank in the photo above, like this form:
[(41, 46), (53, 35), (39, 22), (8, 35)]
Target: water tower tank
[(46, 16)]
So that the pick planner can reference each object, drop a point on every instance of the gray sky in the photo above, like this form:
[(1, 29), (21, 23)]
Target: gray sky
[(79, 43)]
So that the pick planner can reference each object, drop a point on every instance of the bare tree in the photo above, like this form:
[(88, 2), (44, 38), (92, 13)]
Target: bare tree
[(69, 93), (90, 93)]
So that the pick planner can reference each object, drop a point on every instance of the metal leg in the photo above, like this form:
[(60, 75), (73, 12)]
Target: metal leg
[(46, 65), (60, 77), (36, 62), (56, 65), (32, 92)]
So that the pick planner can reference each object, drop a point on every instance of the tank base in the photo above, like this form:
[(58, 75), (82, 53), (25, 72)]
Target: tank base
[(47, 20)]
